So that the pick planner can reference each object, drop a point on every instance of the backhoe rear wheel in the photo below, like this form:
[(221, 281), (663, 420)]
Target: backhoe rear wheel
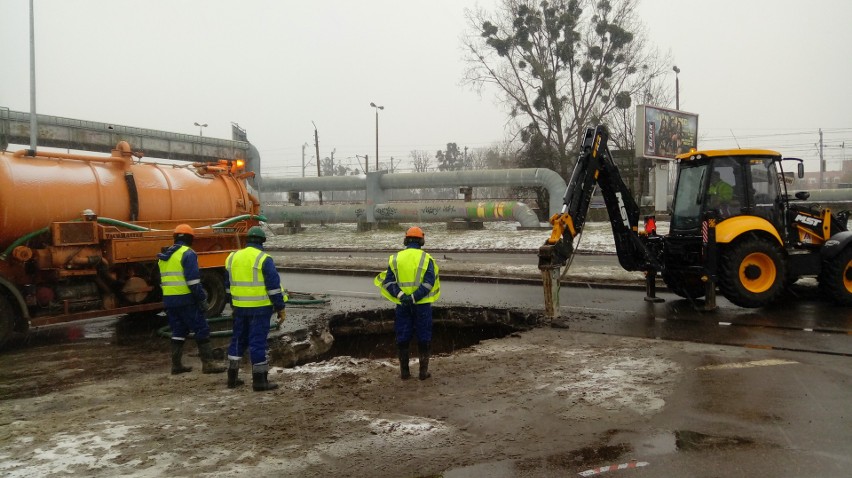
[(835, 280), (752, 273)]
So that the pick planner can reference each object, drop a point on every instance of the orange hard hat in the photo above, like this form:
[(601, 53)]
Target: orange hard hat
[(414, 232), (185, 229)]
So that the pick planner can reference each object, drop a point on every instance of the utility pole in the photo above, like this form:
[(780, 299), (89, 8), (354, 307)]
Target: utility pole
[(303, 158), (316, 142), (33, 119), (332, 170), (366, 163), (677, 87), (821, 161)]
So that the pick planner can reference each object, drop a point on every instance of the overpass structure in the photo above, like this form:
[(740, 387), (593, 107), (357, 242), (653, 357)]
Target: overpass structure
[(67, 133)]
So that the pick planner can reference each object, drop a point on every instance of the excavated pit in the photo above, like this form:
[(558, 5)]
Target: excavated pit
[(370, 333)]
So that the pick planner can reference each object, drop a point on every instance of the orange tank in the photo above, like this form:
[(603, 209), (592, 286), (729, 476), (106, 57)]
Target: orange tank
[(50, 187)]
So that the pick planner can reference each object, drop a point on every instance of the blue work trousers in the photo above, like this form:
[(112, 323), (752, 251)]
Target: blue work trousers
[(413, 319), (186, 318), (251, 328)]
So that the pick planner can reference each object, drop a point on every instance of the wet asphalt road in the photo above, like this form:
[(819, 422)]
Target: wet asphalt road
[(776, 404), (802, 321)]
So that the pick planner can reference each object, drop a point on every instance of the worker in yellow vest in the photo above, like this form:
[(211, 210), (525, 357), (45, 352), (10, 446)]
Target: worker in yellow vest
[(411, 282), (185, 300), (254, 289)]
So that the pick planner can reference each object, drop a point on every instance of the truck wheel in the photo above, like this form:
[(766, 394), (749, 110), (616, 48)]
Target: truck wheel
[(213, 282), (8, 317), (688, 286), (835, 280), (752, 273)]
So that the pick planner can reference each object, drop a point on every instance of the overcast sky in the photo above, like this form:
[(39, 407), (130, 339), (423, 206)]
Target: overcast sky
[(769, 72)]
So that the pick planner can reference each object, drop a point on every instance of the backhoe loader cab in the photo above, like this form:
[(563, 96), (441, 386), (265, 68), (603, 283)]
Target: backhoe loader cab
[(733, 225), (733, 222)]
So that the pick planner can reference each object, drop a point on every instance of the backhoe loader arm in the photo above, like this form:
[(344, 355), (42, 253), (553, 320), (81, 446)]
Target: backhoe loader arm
[(596, 167)]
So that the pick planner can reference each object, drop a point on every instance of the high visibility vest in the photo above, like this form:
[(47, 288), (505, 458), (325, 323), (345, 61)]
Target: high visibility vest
[(409, 267), (171, 274), (246, 275), (723, 190)]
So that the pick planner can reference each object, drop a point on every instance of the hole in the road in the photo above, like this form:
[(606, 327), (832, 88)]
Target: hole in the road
[(370, 334)]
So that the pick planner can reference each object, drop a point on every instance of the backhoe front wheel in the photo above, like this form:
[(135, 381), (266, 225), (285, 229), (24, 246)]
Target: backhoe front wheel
[(752, 273), (835, 280), (688, 286)]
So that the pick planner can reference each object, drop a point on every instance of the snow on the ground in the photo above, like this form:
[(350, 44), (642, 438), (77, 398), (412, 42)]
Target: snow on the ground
[(501, 236)]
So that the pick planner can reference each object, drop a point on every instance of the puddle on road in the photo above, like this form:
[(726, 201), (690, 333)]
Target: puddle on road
[(662, 442), (627, 446), (560, 464)]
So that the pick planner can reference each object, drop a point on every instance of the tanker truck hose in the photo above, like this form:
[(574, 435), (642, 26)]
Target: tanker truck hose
[(20, 241), (234, 219), (116, 222), (103, 220), (133, 193), (274, 325)]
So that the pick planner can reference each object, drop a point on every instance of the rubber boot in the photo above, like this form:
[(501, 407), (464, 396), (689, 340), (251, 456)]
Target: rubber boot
[(177, 354), (404, 371), (208, 365), (233, 374), (260, 379), (423, 349)]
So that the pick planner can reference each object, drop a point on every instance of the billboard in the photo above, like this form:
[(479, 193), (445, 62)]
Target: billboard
[(664, 133)]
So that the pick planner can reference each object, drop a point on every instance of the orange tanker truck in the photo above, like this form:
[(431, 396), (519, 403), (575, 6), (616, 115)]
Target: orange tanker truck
[(58, 264)]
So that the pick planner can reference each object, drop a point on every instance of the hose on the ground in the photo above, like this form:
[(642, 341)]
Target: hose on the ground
[(165, 331)]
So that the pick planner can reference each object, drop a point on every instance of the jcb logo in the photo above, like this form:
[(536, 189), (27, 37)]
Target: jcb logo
[(622, 210), (810, 221)]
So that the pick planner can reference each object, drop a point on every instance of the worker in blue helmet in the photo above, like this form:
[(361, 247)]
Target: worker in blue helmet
[(253, 287)]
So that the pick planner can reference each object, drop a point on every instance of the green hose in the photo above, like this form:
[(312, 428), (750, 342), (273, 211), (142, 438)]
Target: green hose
[(115, 222), (234, 219), (21, 240)]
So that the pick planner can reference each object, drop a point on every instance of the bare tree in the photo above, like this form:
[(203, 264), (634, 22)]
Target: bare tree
[(421, 160), (560, 65), (622, 123)]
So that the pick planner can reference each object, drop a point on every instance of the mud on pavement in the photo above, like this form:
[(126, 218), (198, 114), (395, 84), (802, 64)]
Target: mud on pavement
[(506, 392)]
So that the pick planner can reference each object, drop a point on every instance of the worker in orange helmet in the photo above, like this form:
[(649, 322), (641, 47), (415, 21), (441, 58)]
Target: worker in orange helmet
[(411, 282), (185, 301)]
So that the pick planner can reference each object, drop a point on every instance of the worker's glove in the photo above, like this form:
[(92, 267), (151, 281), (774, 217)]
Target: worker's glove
[(282, 315), (407, 299), (203, 306)]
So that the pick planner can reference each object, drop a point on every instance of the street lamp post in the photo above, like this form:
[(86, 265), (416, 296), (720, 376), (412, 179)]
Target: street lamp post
[(200, 128), (377, 108), (677, 88)]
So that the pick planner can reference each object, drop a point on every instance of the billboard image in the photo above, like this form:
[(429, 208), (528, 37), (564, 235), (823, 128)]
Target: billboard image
[(665, 133)]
